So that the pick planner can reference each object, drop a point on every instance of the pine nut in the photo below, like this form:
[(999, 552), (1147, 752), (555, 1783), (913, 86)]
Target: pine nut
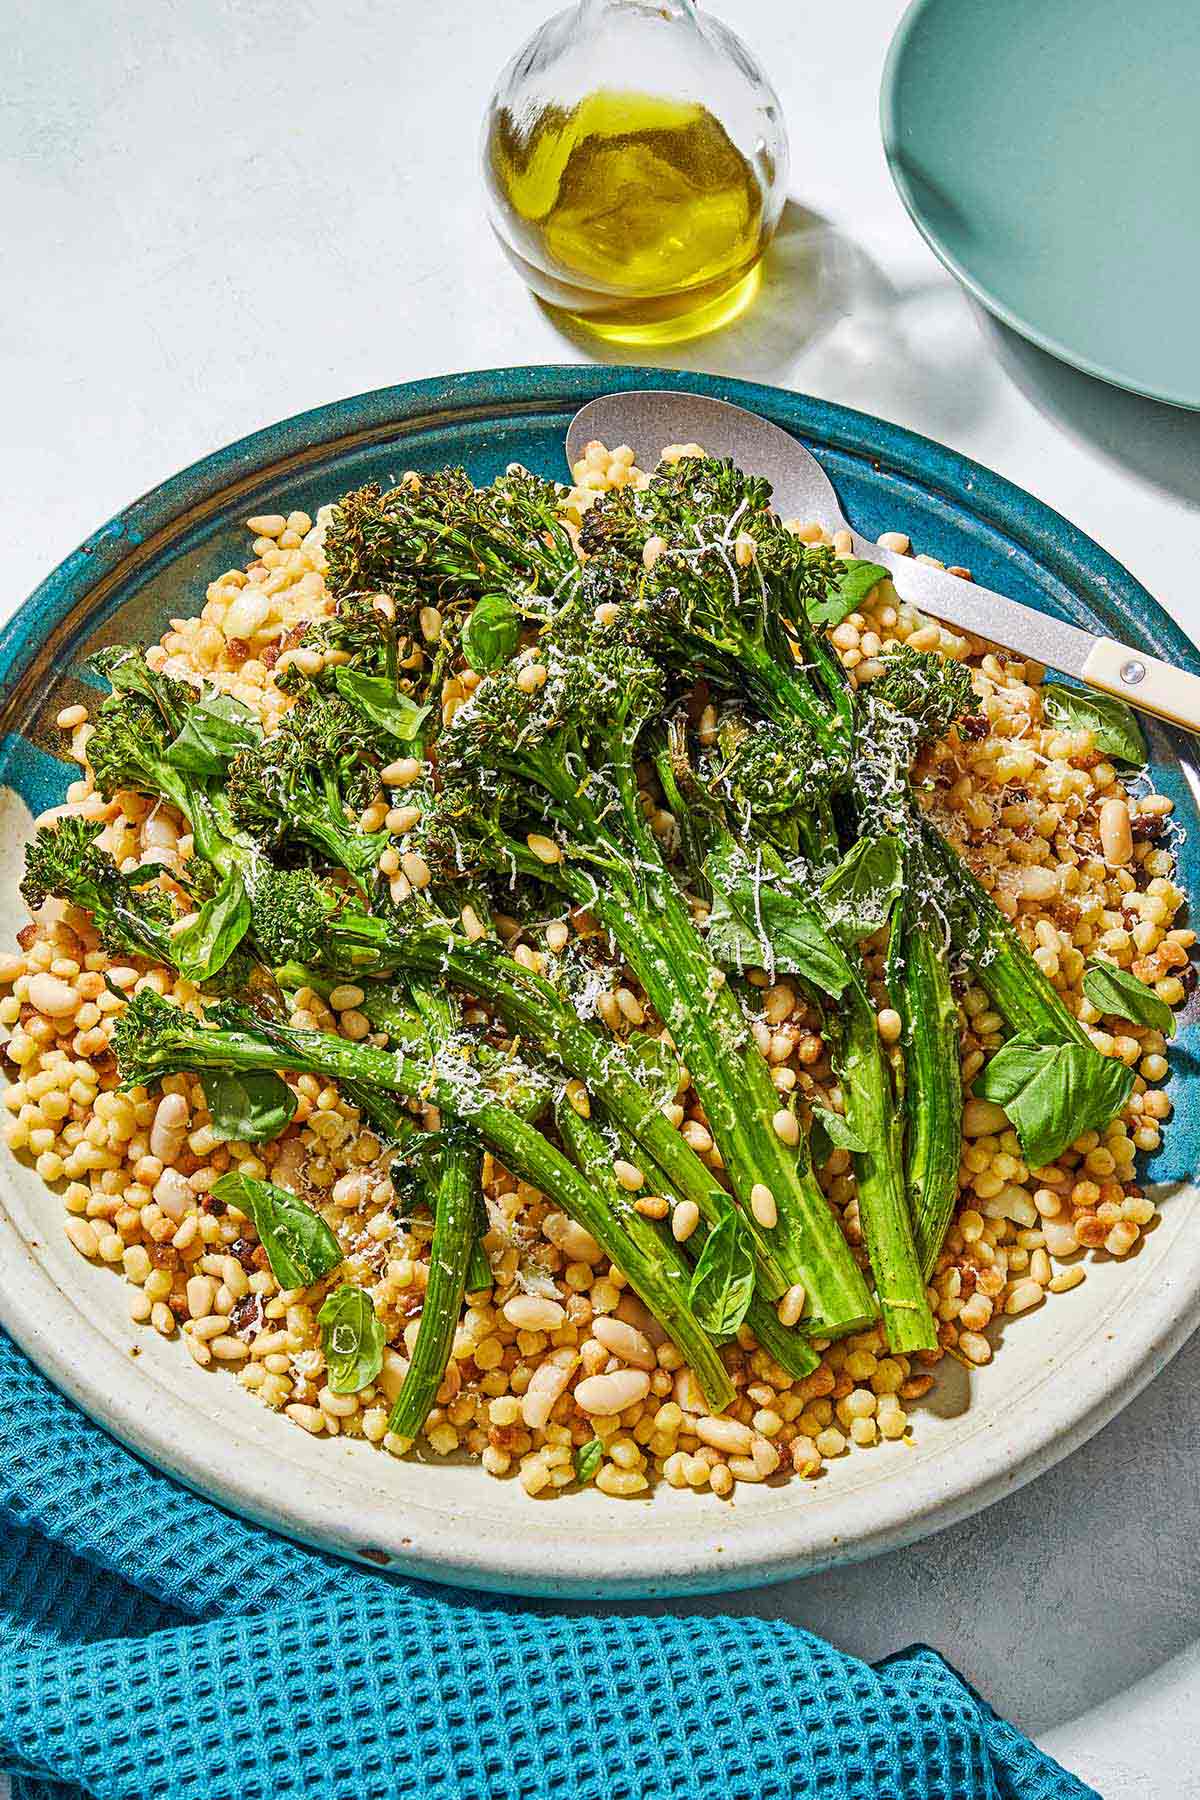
[(975, 1347), (684, 1220), (762, 1205), (1116, 837), (628, 1175), (1067, 1279), (402, 773), (604, 1395), (890, 1025), (531, 677), (791, 1305), (1024, 1296), (652, 549), (787, 1128), (652, 1206), (415, 869), (544, 848), (83, 1236)]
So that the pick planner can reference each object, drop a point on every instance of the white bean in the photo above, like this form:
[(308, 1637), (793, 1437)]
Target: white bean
[(532, 1312), (571, 1238), (57, 999), (172, 1193), (624, 1342), (726, 1435), (169, 1128), (607, 1394), (547, 1383)]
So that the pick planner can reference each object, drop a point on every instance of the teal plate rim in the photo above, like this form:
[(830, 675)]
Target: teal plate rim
[(889, 131), (876, 464)]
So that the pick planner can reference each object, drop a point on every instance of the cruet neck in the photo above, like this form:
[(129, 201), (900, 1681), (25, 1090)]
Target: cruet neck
[(684, 10)]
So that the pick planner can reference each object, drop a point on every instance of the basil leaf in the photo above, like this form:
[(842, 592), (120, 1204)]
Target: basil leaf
[(299, 1244), (1113, 990), (855, 581), (864, 888), (1053, 1093), (753, 923), (837, 1130), (376, 696), (352, 1339), (216, 728), (723, 1280), (587, 1460), (206, 945), (1115, 725), (247, 1109), (491, 633)]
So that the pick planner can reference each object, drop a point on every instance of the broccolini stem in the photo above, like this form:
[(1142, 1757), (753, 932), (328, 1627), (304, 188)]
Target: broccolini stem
[(454, 1221), (995, 954), (529, 1005), (933, 1097), (479, 1269), (457, 1093), (872, 1115), (665, 1267), (691, 996)]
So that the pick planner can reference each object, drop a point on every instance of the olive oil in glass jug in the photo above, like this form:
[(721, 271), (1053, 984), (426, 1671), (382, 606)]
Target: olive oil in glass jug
[(636, 163)]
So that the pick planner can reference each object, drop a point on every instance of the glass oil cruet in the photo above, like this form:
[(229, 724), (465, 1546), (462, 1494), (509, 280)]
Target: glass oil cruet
[(636, 163)]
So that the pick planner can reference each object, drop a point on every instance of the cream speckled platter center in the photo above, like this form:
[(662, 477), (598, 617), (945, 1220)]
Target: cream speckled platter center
[(1059, 1375)]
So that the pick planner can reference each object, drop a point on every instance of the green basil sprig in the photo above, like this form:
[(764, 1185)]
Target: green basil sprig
[(1117, 731), (752, 923), (216, 728), (830, 1132), (352, 1339), (723, 1280), (247, 1109), (1116, 991), (376, 696), (587, 1460), (863, 890), (206, 945), (855, 583), (299, 1244), (491, 633), (1053, 1093)]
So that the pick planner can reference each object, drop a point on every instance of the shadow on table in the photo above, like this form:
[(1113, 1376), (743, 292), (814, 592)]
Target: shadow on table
[(1158, 443), (1054, 1600), (822, 294)]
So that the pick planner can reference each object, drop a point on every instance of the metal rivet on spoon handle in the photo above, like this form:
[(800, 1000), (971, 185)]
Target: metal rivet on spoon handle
[(648, 419)]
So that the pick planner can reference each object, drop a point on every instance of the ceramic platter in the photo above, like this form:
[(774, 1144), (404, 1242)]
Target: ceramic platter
[(1049, 155), (1062, 1373)]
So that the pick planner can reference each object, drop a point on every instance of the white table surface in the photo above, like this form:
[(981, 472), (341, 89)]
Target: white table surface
[(217, 214)]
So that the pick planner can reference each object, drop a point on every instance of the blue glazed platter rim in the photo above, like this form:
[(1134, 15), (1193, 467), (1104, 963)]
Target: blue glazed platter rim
[(466, 1531)]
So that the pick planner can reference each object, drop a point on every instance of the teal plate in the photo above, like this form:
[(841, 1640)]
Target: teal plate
[(1063, 1372), (1049, 152)]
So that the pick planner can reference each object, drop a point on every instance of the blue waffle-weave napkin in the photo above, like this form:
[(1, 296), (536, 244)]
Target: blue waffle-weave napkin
[(153, 1648)]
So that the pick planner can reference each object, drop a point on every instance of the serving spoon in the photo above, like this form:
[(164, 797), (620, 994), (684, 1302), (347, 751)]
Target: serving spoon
[(648, 418)]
